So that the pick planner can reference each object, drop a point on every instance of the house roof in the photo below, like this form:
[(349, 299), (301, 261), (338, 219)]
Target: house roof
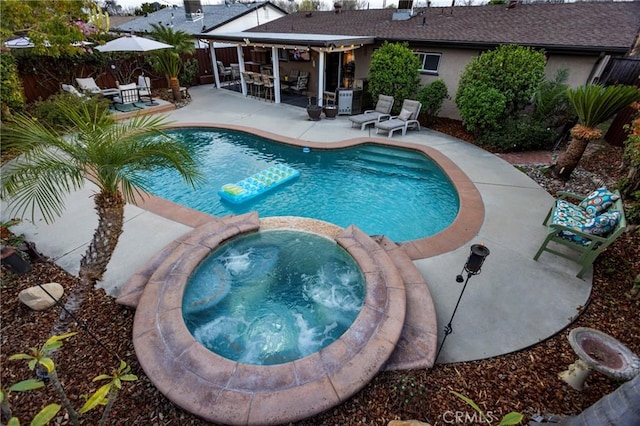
[(610, 27), (213, 16)]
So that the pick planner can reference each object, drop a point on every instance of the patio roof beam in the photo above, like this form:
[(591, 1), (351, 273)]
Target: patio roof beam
[(290, 40)]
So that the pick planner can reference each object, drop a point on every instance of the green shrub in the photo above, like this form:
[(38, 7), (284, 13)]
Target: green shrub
[(523, 134), (431, 97), (481, 108), (51, 113), (515, 72), (394, 71), (188, 72), (11, 97)]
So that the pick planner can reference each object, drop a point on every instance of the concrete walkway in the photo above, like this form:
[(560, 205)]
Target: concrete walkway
[(514, 303)]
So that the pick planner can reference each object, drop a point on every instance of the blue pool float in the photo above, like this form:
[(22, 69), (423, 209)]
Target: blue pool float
[(257, 184)]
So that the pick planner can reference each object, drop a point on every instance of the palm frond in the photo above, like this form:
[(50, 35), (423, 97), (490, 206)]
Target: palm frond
[(41, 184), (594, 103), (116, 155)]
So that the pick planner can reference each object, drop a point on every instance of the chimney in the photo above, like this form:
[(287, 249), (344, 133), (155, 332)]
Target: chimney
[(404, 10), (193, 10)]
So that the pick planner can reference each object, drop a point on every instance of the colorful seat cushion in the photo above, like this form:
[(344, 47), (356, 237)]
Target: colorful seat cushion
[(574, 217), (571, 216), (603, 224), (598, 201)]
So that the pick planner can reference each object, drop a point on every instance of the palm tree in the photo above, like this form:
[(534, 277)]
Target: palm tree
[(168, 60), (593, 104), (115, 156)]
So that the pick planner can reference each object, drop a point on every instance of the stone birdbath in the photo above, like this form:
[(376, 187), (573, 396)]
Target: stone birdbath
[(599, 351)]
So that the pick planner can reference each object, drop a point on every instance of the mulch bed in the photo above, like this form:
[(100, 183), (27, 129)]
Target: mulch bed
[(524, 381)]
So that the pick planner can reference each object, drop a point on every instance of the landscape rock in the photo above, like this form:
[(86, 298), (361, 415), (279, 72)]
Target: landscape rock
[(36, 297), (407, 423)]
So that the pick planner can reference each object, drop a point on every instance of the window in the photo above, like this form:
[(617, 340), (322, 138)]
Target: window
[(429, 62)]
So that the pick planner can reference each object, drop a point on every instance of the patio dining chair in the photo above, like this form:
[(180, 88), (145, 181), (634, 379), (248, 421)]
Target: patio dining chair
[(247, 76), (258, 84), (144, 87), (224, 72), (300, 85), (268, 85), (128, 98), (372, 116), (408, 118)]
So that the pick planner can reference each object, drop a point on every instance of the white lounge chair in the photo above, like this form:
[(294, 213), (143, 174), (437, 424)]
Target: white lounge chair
[(70, 89), (371, 116), (408, 118)]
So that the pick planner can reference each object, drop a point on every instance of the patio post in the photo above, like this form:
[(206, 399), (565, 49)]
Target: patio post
[(321, 56), (276, 73), (214, 64), (243, 83)]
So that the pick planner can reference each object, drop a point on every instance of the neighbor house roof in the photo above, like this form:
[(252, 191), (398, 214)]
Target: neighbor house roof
[(610, 27), (213, 16)]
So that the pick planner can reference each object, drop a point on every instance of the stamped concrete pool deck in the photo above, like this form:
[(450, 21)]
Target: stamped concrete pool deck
[(514, 303)]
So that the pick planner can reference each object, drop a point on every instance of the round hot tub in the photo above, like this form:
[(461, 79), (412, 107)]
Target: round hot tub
[(273, 296), (284, 387)]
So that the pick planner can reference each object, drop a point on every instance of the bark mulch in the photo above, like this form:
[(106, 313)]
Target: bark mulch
[(524, 381)]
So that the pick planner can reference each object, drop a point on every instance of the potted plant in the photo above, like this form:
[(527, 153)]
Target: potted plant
[(314, 110), (330, 111)]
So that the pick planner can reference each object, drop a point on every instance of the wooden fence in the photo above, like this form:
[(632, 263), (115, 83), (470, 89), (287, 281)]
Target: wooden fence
[(43, 77), (621, 71)]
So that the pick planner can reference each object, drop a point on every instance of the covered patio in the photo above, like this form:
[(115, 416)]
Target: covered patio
[(310, 49)]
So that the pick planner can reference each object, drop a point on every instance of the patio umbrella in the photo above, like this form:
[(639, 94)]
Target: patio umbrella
[(132, 43)]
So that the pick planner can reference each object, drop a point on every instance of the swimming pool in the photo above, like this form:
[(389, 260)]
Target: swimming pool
[(396, 192)]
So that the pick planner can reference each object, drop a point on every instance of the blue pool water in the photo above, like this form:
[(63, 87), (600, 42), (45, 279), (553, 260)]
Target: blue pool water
[(273, 297), (388, 191)]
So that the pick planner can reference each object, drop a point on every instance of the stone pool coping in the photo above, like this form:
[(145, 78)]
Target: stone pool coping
[(464, 228), (228, 392)]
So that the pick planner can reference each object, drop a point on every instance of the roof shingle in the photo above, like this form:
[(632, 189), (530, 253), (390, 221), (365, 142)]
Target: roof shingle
[(606, 26)]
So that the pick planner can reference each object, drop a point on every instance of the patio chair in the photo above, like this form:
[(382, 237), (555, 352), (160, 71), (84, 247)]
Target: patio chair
[(408, 118), (257, 84), (587, 228), (235, 75), (301, 84), (88, 85), (248, 80), (127, 99), (144, 87), (70, 89), (268, 85), (224, 72), (372, 116)]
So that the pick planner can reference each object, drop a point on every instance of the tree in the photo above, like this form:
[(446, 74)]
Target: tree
[(146, 8), (168, 61), (514, 72), (114, 154), (54, 27), (286, 5), (394, 71), (593, 104), (309, 6)]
